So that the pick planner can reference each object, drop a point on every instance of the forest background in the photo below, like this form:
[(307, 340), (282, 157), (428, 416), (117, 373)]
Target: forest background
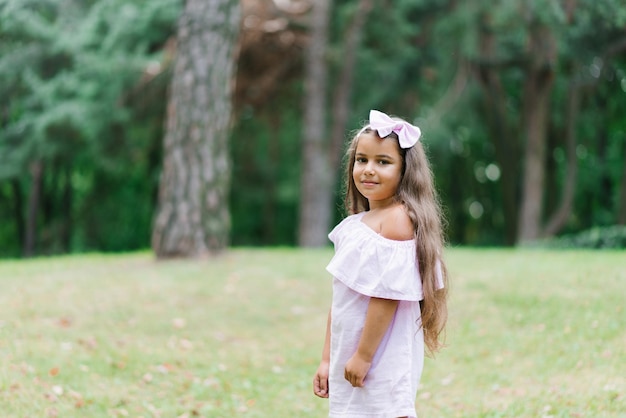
[(521, 105)]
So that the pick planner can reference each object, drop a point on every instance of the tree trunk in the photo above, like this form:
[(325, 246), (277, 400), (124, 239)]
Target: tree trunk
[(315, 181), (621, 206), (193, 217), (504, 139), (66, 210), (341, 100), (34, 199), (603, 195), (538, 84), (561, 215), (18, 210), (270, 203)]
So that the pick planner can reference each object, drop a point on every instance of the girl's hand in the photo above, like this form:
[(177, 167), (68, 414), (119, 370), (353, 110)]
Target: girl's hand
[(356, 370), (320, 381)]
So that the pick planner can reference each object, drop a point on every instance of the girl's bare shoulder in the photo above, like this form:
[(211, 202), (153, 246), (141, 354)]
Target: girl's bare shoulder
[(396, 224)]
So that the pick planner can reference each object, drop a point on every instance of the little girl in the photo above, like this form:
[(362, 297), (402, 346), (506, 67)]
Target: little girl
[(389, 286)]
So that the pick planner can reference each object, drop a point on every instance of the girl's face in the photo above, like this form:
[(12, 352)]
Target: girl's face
[(377, 169)]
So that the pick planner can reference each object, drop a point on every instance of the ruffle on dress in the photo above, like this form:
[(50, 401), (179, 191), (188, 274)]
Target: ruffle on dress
[(373, 265)]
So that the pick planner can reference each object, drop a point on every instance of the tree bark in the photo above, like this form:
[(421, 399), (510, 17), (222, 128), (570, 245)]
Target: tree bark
[(537, 88), (193, 217), (315, 180)]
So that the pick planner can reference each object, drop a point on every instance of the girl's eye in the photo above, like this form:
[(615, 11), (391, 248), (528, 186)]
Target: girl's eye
[(361, 160), (383, 162)]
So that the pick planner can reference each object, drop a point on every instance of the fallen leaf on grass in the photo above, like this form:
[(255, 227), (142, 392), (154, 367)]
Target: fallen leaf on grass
[(53, 371), (508, 391), (26, 368), (179, 323), (447, 380), (79, 402), (212, 382), (50, 397), (65, 322), (89, 343), (119, 365), (156, 413), (175, 343), (165, 368), (298, 310)]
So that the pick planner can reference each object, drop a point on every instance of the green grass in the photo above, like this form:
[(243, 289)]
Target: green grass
[(531, 334)]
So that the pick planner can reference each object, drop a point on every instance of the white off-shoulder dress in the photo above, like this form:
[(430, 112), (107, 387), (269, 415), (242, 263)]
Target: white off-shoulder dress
[(367, 265)]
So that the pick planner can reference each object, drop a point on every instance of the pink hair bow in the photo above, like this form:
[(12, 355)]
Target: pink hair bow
[(408, 135)]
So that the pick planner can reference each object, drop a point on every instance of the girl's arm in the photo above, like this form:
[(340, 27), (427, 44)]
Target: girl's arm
[(380, 312), (320, 381)]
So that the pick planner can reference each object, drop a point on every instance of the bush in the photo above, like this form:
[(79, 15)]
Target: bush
[(598, 237)]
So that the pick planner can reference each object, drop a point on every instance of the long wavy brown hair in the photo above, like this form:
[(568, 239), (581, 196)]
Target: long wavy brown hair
[(417, 193)]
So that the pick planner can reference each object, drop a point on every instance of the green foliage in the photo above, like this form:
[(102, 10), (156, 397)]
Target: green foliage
[(265, 181), (409, 58), (75, 74), (583, 40), (610, 237), (84, 84)]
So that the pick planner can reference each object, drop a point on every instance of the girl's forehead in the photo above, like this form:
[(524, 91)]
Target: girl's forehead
[(371, 143)]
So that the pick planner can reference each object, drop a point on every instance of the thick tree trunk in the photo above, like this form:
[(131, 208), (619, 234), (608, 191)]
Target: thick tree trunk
[(538, 84), (315, 180), (193, 217)]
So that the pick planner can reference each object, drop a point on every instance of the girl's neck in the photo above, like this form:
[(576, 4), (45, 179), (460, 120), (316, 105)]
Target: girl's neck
[(382, 204)]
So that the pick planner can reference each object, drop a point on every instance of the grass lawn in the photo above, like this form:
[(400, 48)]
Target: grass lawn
[(531, 334)]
